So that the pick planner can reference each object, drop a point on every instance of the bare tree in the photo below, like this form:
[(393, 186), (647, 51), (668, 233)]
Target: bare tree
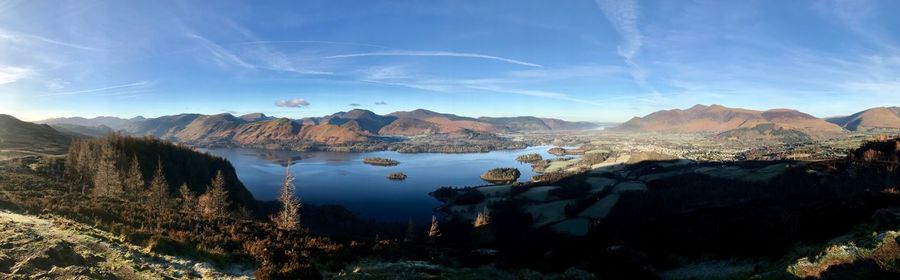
[(289, 216), (435, 231), (483, 218), (188, 199), (158, 194), (214, 202), (134, 179), (107, 180)]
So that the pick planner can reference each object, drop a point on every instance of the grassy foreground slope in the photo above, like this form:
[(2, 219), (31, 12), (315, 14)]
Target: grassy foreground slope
[(50, 246)]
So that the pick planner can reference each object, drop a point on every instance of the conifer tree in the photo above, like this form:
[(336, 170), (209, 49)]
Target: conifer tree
[(107, 179), (158, 193), (289, 216), (214, 202), (134, 179), (188, 199)]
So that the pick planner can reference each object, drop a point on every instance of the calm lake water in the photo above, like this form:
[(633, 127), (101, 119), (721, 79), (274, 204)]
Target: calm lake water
[(342, 178)]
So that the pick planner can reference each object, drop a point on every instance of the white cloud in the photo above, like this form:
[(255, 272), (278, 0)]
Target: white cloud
[(536, 93), (623, 14), (10, 74), (292, 103), (221, 55), (380, 103), (436, 53), (129, 88), (21, 38)]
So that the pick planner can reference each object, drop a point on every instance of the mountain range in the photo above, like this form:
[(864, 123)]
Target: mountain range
[(875, 118), (339, 128), (775, 124), (361, 126)]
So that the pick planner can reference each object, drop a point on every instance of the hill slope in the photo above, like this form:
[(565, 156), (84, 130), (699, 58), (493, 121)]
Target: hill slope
[(112, 122), (20, 136), (717, 118), (880, 117)]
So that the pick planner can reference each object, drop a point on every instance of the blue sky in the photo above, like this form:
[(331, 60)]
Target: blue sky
[(605, 60)]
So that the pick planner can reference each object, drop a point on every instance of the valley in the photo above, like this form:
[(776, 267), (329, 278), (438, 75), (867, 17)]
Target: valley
[(457, 140), (553, 188)]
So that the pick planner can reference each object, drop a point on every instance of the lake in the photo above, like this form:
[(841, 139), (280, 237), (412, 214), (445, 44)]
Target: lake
[(342, 178)]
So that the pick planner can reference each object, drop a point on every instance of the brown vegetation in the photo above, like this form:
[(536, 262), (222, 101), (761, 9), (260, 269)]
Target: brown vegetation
[(289, 216), (529, 158), (218, 226), (399, 176), (499, 175), (380, 161)]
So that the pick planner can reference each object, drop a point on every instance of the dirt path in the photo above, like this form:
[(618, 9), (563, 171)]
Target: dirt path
[(52, 248)]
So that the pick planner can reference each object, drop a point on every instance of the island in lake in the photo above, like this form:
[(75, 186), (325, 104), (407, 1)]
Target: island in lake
[(501, 175), (530, 158), (380, 161), (397, 176)]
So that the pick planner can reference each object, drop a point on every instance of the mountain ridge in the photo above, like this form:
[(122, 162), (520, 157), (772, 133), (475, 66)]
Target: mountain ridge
[(873, 118), (354, 126), (718, 119)]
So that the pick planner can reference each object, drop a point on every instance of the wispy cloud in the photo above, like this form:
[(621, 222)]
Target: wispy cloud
[(535, 93), (129, 88), (858, 16), (10, 74), (23, 38), (623, 15), (222, 56), (436, 53), (269, 42), (380, 103), (292, 103), (354, 105)]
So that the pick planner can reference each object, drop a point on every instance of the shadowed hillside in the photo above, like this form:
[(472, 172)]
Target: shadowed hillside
[(18, 137), (87, 159)]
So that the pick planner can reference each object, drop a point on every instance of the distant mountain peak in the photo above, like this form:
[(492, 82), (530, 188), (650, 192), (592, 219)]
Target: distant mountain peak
[(717, 118), (873, 118), (253, 117)]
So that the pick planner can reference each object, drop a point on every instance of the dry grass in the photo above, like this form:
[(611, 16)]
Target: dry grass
[(884, 251)]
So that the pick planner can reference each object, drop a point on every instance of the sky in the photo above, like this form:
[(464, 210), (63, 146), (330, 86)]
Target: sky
[(604, 60)]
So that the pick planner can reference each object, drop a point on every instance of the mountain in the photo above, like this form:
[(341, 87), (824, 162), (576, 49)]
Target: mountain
[(282, 129), (410, 127), (340, 128), (880, 117), (210, 128), (764, 132), (255, 117), (536, 124), (447, 122), (717, 119), (162, 126), (20, 136), (80, 131), (359, 120), (112, 122)]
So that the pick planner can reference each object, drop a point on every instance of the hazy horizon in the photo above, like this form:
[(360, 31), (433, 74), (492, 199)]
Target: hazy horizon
[(603, 61)]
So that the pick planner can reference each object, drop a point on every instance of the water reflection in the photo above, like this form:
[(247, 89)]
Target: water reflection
[(342, 178)]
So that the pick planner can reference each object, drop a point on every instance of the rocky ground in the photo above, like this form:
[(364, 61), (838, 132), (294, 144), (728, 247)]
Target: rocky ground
[(49, 247)]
